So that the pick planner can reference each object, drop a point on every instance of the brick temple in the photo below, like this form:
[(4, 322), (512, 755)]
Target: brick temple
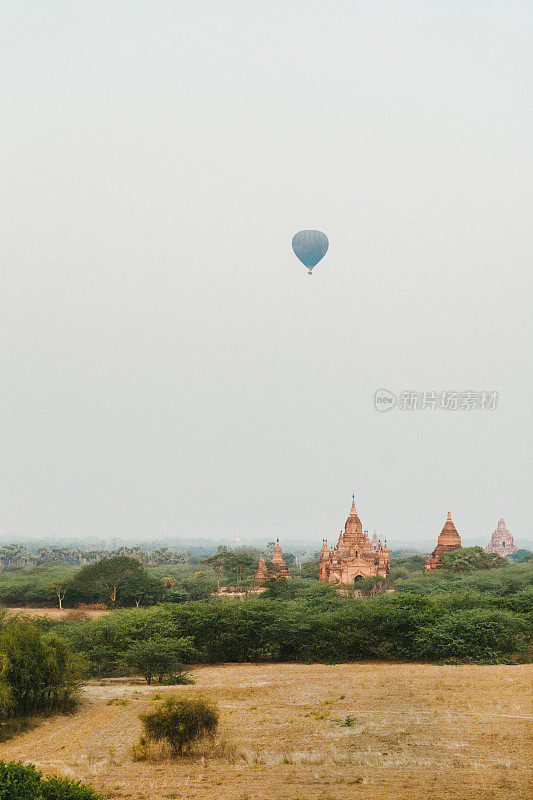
[(448, 540), (501, 541), (354, 556), (280, 567)]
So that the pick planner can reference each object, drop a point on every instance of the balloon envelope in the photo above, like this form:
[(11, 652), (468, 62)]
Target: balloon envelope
[(310, 247)]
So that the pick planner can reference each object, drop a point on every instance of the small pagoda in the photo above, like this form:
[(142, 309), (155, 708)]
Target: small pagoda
[(261, 573), (278, 562), (448, 540), (501, 541)]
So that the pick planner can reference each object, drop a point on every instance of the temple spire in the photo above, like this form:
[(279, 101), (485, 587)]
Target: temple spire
[(279, 561), (448, 540)]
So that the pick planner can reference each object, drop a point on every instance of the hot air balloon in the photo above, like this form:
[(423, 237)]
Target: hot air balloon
[(310, 247)]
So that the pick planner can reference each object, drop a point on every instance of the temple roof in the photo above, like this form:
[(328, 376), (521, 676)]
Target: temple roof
[(501, 532), (448, 536), (353, 526)]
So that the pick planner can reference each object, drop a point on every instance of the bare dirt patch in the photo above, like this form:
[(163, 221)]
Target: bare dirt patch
[(414, 732)]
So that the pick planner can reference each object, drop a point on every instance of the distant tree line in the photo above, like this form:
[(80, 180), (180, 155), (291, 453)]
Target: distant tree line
[(123, 580), (482, 616), (17, 555)]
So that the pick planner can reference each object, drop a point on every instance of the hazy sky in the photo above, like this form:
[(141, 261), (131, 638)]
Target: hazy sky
[(168, 366)]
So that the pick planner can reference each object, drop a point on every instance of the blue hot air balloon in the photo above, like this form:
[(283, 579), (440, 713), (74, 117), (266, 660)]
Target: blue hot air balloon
[(310, 247)]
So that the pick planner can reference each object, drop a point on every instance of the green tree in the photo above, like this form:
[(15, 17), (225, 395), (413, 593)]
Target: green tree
[(281, 589), (59, 590), (241, 566), (164, 555), (107, 577), (467, 559), (218, 562), (289, 559), (142, 589), (403, 563), (198, 588), (181, 722), (310, 569), (161, 658), (268, 551), (14, 554)]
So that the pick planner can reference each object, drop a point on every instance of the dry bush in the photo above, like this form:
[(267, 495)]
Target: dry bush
[(181, 722)]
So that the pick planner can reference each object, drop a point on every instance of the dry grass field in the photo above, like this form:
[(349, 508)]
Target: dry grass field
[(53, 613), (417, 732)]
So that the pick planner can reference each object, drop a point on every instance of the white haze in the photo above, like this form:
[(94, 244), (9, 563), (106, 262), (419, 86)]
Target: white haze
[(168, 367)]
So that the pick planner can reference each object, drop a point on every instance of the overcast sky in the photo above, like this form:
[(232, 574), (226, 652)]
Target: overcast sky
[(167, 365)]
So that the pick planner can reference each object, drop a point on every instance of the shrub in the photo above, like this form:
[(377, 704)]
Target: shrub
[(181, 722), (180, 677), (53, 788), (24, 782), (18, 782), (480, 635), (38, 672), (161, 658), (140, 750)]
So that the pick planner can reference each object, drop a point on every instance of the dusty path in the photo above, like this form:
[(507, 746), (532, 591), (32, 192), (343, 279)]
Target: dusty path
[(416, 732)]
